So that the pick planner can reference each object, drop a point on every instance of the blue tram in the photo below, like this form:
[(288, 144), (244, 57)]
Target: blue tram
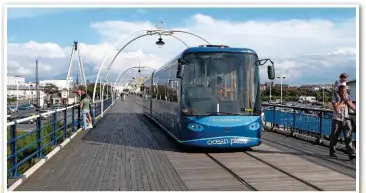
[(208, 96)]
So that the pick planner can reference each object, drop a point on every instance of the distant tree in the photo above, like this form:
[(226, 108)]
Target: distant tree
[(293, 94), (90, 90), (50, 89)]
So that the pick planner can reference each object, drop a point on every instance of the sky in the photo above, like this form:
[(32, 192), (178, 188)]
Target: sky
[(307, 45)]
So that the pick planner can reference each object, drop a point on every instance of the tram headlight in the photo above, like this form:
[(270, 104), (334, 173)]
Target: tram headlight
[(254, 126), (195, 127)]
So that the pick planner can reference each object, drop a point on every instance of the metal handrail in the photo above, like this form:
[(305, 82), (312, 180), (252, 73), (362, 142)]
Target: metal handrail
[(57, 130), (303, 108), (321, 125)]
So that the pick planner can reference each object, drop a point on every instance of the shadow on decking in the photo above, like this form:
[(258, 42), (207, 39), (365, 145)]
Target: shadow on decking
[(131, 128)]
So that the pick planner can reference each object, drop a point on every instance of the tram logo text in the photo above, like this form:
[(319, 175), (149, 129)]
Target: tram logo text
[(226, 120), (227, 141)]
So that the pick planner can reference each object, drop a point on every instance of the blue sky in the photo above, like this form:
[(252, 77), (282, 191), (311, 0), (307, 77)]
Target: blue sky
[(61, 26)]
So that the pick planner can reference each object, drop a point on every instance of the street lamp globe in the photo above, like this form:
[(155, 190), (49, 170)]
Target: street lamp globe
[(160, 43)]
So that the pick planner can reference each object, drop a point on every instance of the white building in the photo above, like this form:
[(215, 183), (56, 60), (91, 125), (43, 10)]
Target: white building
[(13, 80), (24, 91), (304, 99), (59, 83), (57, 99), (315, 88)]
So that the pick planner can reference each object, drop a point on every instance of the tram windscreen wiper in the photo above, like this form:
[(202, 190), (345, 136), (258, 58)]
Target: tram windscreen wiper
[(226, 113)]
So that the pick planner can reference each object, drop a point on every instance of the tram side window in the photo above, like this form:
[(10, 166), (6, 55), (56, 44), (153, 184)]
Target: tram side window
[(154, 91), (162, 85), (173, 85), (154, 88), (147, 91), (161, 91)]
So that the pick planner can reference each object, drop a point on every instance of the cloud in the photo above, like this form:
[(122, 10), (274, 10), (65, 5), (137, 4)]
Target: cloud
[(36, 50), (313, 69), (20, 13), (141, 11), (305, 51), (345, 51)]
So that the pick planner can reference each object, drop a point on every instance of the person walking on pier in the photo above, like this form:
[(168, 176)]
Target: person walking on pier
[(342, 81), (342, 122), (263, 119), (85, 106)]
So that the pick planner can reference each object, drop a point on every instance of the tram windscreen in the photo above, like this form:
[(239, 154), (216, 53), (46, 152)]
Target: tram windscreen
[(220, 84)]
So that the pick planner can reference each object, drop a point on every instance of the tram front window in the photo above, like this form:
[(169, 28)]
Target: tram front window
[(220, 84)]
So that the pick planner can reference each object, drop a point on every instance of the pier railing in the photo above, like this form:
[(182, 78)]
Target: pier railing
[(314, 122), (25, 148)]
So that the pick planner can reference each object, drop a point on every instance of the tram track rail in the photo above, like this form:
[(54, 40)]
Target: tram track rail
[(240, 179), (339, 166), (252, 187), (285, 172), (245, 182), (311, 157)]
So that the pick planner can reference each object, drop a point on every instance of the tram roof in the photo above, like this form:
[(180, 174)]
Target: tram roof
[(217, 49)]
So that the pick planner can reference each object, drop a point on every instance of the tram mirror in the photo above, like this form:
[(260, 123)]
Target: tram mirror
[(182, 61), (180, 71), (271, 72), (171, 83)]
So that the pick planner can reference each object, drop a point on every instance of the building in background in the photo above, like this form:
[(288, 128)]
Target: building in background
[(23, 90), (57, 99), (13, 80), (60, 83)]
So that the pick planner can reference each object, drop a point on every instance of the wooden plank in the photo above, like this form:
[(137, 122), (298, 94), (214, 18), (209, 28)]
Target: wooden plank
[(320, 176), (119, 182), (102, 168), (149, 170), (91, 182), (112, 170), (122, 154), (207, 176), (88, 171), (260, 175)]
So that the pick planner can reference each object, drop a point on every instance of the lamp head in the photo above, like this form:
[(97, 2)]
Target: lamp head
[(160, 42)]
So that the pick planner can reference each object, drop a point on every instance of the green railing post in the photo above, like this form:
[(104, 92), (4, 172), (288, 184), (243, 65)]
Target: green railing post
[(79, 117), (13, 150), (73, 119), (65, 123), (39, 136), (54, 128)]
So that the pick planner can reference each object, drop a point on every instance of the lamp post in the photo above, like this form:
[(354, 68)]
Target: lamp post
[(323, 96), (281, 77), (270, 90), (107, 83), (17, 94), (29, 96), (160, 43), (100, 92)]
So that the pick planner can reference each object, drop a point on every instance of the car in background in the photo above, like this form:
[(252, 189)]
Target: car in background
[(44, 117), (25, 107), (37, 107), (26, 122), (11, 109), (56, 107)]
